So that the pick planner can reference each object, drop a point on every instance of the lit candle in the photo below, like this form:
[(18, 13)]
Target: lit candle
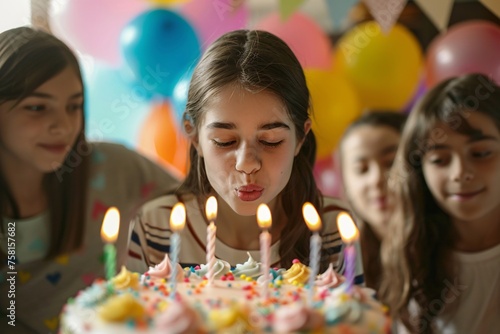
[(349, 234), (314, 223), (211, 211), (109, 233), (177, 222), (264, 220)]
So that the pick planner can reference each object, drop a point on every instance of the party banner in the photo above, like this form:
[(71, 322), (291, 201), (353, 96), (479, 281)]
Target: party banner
[(287, 7), (437, 11), (339, 11), (492, 5), (385, 12)]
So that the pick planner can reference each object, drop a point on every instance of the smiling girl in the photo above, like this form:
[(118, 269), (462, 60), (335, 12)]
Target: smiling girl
[(442, 259), (54, 185)]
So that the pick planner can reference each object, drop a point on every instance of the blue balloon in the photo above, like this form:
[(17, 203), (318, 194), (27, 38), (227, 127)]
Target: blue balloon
[(115, 107), (160, 46), (180, 94)]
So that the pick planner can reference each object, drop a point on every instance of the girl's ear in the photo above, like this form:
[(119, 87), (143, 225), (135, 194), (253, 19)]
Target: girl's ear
[(193, 136), (307, 128)]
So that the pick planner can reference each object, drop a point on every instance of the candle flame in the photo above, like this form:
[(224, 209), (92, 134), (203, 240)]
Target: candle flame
[(311, 217), (348, 231), (264, 216), (211, 208), (110, 225), (178, 217)]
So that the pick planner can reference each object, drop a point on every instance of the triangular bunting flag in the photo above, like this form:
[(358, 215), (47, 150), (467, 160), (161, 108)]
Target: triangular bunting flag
[(288, 7), (437, 11), (492, 5), (338, 11), (385, 12)]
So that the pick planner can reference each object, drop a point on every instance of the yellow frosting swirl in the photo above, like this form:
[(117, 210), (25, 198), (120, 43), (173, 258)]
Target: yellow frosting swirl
[(121, 308), (125, 279), (297, 274)]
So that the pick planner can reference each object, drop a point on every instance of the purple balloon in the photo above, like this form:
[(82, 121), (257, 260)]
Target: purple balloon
[(468, 47)]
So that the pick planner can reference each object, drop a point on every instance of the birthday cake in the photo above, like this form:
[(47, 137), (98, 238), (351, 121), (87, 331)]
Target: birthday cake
[(235, 301)]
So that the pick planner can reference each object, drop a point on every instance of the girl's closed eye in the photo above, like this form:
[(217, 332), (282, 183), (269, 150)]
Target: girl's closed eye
[(223, 143), (360, 169), (271, 143), (437, 159), (481, 153), (35, 107), (75, 107)]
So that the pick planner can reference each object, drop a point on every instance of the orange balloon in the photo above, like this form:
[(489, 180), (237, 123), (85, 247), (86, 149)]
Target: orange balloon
[(161, 139)]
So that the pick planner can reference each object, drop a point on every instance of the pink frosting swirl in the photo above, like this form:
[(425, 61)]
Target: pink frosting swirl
[(179, 318), (164, 270), (295, 318), (329, 279)]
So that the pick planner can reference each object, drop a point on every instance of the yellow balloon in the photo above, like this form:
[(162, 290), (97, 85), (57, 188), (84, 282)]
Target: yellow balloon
[(385, 69), (334, 106)]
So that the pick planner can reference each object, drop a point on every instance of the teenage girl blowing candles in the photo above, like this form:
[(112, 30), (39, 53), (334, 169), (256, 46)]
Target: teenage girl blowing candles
[(55, 186), (442, 261), (248, 119)]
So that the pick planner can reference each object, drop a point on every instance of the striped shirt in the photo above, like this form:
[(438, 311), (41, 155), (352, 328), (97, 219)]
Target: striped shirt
[(150, 238)]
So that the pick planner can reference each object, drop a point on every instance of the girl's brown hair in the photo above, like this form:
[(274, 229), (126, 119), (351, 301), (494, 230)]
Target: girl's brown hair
[(28, 58), (256, 61), (416, 256)]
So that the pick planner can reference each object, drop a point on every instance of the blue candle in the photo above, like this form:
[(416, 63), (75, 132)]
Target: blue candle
[(177, 222), (313, 221)]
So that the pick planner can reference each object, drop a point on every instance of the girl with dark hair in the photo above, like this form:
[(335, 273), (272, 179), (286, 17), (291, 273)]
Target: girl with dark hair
[(366, 153), (248, 119), (441, 261), (55, 186)]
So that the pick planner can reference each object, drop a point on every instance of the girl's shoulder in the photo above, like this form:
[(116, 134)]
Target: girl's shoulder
[(161, 206), (333, 205)]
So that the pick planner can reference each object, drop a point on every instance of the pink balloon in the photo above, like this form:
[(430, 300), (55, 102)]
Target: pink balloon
[(93, 27), (327, 176), (305, 37), (468, 47), (213, 18)]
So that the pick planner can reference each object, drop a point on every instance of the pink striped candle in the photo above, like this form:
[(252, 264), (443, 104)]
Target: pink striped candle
[(264, 220), (211, 211)]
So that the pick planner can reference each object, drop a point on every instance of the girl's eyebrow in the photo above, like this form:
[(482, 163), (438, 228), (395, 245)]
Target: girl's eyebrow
[(274, 125), (52, 97), (231, 126), (480, 136), (472, 139)]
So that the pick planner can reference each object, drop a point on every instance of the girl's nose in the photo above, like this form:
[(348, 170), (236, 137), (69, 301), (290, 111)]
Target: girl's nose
[(247, 159), (461, 171), (61, 123)]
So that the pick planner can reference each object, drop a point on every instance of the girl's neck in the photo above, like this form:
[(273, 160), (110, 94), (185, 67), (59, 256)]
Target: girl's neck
[(26, 187), (242, 232), (479, 235)]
